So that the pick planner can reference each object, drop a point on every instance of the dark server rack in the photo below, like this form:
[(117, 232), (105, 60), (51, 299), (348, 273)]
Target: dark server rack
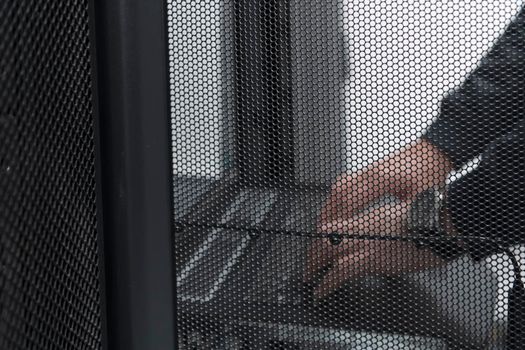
[(51, 278), (106, 244), (85, 181)]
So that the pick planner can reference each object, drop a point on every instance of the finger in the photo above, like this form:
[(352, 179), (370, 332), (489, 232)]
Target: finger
[(386, 258), (351, 193), (347, 267), (318, 256), (322, 253), (388, 219), (407, 258)]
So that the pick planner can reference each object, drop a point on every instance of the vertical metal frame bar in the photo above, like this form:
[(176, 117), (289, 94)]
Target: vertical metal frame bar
[(264, 96), (136, 173), (98, 176)]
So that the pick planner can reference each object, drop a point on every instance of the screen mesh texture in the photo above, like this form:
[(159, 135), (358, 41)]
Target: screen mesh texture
[(348, 174), (49, 272)]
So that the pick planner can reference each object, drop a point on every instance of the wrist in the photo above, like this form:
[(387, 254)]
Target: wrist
[(419, 167), (439, 158), (431, 225)]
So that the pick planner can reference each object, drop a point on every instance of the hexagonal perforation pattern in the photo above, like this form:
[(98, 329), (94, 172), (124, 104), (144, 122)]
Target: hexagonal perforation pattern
[(312, 142), (49, 275)]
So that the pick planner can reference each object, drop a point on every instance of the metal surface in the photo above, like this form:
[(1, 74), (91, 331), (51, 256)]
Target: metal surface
[(136, 170), (50, 284), (293, 121)]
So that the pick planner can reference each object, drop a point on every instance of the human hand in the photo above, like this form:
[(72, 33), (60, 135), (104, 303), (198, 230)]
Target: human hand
[(403, 175), (355, 258)]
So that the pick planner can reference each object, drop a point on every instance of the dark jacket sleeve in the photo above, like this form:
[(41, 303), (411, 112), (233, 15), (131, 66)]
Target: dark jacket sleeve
[(489, 202), (488, 104)]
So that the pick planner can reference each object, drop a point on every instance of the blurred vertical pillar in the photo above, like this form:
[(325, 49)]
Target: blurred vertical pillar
[(320, 68)]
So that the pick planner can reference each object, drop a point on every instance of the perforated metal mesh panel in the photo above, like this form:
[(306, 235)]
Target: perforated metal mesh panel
[(49, 274), (348, 174)]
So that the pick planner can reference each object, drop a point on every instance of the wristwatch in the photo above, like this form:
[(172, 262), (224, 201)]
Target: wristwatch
[(426, 226)]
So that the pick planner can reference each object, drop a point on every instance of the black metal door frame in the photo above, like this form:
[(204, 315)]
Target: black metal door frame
[(135, 173)]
